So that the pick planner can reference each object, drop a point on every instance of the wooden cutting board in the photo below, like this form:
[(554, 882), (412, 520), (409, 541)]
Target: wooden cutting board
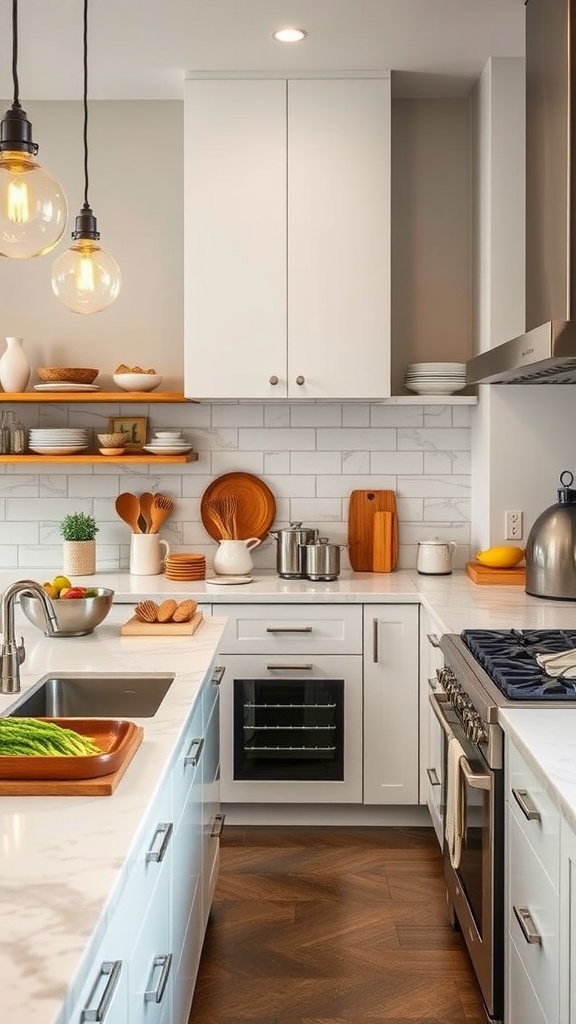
[(102, 786), (135, 627), (483, 574), (372, 542)]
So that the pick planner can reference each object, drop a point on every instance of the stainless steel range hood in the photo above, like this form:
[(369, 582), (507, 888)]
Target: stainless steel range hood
[(546, 353)]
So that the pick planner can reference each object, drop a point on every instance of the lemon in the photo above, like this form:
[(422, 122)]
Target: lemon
[(59, 582), (503, 556)]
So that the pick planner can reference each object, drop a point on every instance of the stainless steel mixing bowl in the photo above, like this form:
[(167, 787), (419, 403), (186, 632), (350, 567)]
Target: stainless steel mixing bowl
[(75, 617)]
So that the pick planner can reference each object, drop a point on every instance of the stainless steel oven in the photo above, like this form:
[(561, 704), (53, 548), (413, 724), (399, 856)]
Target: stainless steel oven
[(475, 879), (485, 670)]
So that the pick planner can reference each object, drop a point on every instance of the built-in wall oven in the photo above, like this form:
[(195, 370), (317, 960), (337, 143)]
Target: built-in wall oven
[(292, 729), (486, 670), (291, 706)]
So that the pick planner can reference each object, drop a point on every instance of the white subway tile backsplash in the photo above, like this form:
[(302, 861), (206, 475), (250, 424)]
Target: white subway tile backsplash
[(357, 438), (316, 463), (311, 455)]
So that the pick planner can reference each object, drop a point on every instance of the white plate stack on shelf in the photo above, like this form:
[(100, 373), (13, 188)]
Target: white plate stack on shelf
[(58, 441), (435, 378), (168, 442)]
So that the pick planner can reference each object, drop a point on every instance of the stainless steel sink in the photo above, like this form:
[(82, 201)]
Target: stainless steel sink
[(99, 695)]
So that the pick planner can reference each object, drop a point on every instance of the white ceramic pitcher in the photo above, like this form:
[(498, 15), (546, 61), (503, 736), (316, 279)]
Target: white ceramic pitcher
[(146, 558), (233, 557)]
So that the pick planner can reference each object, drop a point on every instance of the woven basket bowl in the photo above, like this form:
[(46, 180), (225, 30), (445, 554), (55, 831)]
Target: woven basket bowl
[(69, 374), (113, 440)]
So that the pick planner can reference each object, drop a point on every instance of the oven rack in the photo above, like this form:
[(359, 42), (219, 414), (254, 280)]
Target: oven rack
[(285, 750), (253, 706), (289, 728)]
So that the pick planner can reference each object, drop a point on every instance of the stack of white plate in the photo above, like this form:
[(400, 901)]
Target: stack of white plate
[(58, 441), (435, 378), (168, 442)]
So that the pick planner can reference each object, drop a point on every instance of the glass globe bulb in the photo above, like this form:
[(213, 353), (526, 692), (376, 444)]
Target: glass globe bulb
[(33, 207), (85, 277)]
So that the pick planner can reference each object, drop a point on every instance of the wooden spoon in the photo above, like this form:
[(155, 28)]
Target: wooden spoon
[(161, 509), (146, 500), (128, 508)]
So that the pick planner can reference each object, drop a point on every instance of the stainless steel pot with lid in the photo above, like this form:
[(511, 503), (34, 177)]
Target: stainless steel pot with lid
[(322, 560), (551, 547), (290, 550)]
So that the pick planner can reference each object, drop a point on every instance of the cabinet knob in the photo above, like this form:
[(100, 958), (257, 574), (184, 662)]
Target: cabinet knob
[(300, 380), (273, 380)]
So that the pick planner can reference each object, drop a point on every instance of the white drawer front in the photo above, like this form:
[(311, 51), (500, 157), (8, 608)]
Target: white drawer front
[(534, 811), (536, 901), (310, 628), (522, 1006)]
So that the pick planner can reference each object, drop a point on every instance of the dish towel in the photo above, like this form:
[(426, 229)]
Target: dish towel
[(561, 664), (454, 820)]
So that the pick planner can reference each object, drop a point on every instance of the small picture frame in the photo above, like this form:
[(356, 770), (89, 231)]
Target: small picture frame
[(135, 426)]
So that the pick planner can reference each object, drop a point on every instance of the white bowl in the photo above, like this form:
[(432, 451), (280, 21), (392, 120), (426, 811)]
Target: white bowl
[(137, 381), (168, 433)]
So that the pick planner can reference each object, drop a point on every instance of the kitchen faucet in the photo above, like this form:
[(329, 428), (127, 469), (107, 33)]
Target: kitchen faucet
[(13, 654)]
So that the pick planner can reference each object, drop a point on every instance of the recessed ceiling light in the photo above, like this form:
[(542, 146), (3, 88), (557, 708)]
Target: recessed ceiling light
[(289, 35)]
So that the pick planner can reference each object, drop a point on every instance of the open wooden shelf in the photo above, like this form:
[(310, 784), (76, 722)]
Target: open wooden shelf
[(96, 457), (144, 397)]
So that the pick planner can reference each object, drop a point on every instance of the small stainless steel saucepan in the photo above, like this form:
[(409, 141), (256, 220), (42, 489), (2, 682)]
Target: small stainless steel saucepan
[(322, 560)]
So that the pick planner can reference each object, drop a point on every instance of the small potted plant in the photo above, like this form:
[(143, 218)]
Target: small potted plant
[(79, 531)]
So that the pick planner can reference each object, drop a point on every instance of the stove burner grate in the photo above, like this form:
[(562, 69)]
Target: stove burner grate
[(509, 658)]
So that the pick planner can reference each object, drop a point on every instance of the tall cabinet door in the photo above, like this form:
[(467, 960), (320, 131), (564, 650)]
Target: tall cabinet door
[(391, 704), (339, 238), (235, 238)]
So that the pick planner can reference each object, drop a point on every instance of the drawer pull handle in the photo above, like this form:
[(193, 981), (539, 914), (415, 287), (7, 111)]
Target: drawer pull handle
[(299, 668), (194, 751), (165, 830), (526, 805), (218, 826), (217, 675), (375, 640), (433, 776), (527, 926), (164, 961), (288, 629), (111, 968), (433, 639)]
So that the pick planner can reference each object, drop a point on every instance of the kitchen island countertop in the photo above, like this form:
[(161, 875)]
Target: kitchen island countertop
[(49, 885)]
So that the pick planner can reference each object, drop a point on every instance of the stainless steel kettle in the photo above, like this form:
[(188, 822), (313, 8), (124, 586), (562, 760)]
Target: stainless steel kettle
[(290, 550), (551, 547)]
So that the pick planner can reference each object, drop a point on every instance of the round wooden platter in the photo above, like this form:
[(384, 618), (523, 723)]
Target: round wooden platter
[(256, 505)]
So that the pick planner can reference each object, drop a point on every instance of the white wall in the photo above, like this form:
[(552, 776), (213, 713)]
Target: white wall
[(136, 192)]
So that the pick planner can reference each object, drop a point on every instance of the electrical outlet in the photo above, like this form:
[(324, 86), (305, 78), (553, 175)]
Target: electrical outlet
[(513, 527)]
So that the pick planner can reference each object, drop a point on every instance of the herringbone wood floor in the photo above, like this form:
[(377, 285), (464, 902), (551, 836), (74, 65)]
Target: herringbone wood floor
[(332, 926)]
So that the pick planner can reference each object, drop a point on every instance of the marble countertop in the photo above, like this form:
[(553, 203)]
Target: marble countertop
[(54, 892), (455, 600), (50, 884)]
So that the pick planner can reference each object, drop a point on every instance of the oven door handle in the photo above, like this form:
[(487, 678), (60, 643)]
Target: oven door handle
[(474, 779)]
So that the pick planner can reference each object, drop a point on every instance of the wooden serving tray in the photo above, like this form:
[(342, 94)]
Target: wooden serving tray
[(372, 542), (135, 627), (483, 574), (103, 785)]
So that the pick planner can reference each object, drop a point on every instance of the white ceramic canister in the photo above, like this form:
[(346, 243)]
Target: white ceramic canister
[(14, 366), (435, 557), (146, 557), (233, 557)]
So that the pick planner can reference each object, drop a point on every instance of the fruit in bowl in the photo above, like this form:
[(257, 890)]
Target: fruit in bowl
[(78, 610), (134, 378)]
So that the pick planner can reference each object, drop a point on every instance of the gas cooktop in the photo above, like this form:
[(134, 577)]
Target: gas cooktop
[(508, 656)]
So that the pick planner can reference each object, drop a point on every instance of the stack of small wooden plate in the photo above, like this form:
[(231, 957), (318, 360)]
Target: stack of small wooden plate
[(186, 566)]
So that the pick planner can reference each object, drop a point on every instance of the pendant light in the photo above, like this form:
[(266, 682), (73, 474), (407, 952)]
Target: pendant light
[(33, 208), (85, 277)]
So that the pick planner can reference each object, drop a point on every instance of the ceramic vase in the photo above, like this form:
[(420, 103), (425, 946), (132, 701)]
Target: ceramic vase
[(14, 366), (79, 557)]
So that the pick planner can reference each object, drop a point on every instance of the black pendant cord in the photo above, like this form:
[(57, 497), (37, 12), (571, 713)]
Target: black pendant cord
[(86, 225), (85, 101), (16, 100)]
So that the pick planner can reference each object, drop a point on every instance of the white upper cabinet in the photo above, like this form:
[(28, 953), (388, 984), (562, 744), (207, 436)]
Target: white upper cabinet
[(287, 238)]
